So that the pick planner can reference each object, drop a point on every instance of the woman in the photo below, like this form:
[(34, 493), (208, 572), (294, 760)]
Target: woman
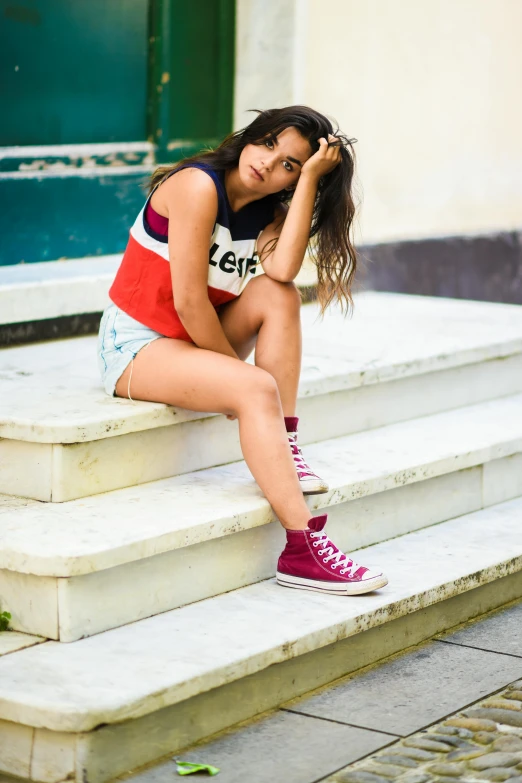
[(184, 320)]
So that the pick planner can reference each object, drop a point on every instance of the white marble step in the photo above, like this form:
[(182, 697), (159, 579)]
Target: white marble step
[(11, 641), (51, 289), (78, 568), (106, 704), (398, 358), (72, 286)]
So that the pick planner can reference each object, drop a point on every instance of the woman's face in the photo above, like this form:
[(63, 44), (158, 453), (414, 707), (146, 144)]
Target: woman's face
[(274, 165)]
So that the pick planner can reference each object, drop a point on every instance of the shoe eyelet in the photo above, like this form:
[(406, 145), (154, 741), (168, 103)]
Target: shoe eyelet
[(316, 543), (342, 571), (325, 560), (321, 552)]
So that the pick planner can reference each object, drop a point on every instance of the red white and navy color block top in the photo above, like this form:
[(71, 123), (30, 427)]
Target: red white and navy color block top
[(143, 284)]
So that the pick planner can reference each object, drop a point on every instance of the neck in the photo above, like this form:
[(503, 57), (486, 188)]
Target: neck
[(238, 195)]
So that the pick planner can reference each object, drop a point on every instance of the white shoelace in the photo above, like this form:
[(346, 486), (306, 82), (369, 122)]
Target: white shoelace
[(335, 554), (300, 464)]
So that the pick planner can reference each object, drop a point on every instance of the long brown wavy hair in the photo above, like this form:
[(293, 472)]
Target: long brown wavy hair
[(331, 248)]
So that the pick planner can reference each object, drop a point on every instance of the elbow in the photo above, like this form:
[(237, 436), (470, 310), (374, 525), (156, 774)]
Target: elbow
[(281, 278), (184, 312), (188, 307), (280, 270)]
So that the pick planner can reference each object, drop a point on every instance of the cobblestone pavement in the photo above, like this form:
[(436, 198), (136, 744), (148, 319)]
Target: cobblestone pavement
[(481, 743)]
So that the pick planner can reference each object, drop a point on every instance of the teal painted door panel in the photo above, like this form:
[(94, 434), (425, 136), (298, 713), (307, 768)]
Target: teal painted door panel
[(73, 71), (191, 74), (68, 217), (201, 50), (102, 71)]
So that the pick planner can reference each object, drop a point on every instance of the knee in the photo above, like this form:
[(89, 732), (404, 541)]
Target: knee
[(264, 384), (261, 390), (292, 295), (285, 295)]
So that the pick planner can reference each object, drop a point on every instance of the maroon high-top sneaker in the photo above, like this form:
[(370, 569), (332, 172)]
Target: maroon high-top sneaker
[(310, 561), (310, 482)]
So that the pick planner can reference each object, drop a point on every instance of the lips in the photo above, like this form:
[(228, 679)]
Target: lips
[(257, 175)]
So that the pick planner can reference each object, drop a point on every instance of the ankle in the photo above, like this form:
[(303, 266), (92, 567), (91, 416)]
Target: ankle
[(298, 521), (294, 527)]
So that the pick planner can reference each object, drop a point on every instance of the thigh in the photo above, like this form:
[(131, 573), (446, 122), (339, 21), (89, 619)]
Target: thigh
[(179, 373)]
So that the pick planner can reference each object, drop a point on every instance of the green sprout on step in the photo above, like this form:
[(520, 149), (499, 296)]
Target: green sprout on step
[(4, 621)]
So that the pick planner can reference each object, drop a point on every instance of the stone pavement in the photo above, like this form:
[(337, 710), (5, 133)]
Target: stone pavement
[(447, 711), (479, 744)]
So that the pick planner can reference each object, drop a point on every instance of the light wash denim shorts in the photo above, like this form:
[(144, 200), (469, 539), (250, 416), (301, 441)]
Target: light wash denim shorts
[(119, 340)]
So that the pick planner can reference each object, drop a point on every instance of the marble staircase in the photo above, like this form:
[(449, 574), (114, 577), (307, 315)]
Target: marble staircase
[(400, 358), (143, 603), (72, 570), (53, 289), (99, 707)]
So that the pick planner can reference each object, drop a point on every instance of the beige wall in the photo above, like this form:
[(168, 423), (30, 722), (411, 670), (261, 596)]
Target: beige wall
[(265, 34), (432, 91), (430, 88)]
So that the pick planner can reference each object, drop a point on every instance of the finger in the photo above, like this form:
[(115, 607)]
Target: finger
[(334, 141), (323, 144), (334, 153)]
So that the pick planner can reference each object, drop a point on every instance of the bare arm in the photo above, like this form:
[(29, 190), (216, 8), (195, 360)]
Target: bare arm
[(293, 229), (191, 201)]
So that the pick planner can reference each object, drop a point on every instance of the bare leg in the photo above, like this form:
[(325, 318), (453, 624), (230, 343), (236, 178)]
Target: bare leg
[(267, 316), (178, 373)]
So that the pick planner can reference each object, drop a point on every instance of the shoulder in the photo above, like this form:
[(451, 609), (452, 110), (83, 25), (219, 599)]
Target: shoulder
[(190, 179), (278, 216), (189, 187), (280, 212)]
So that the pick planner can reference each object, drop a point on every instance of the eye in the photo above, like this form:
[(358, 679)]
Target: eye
[(270, 144), (287, 165)]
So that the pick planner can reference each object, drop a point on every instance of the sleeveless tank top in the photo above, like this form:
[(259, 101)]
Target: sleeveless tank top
[(142, 287)]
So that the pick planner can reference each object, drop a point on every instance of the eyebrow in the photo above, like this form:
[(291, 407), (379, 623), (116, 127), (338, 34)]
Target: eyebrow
[(289, 157)]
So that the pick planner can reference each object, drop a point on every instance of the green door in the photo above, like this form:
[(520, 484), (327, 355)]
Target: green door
[(74, 71), (191, 74), (95, 94)]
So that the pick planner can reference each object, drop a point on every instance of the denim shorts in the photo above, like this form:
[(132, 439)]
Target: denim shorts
[(119, 340)]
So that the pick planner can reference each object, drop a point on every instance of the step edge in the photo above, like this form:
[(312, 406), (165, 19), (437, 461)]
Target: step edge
[(68, 566), (78, 720), (32, 431), (9, 288)]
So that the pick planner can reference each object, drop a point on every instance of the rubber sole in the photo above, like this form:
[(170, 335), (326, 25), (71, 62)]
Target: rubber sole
[(314, 487), (333, 588)]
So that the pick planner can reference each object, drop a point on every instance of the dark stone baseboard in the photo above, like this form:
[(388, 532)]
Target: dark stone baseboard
[(49, 329), (486, 267)]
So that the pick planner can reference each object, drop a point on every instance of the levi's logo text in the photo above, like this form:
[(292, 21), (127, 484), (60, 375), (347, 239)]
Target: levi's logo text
[(228, 262)]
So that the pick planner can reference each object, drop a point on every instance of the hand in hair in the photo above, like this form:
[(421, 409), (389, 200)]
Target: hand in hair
[(325, 159)]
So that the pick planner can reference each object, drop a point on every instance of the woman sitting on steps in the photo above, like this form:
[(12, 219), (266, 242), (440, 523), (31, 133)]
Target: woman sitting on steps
[(182, 321)]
